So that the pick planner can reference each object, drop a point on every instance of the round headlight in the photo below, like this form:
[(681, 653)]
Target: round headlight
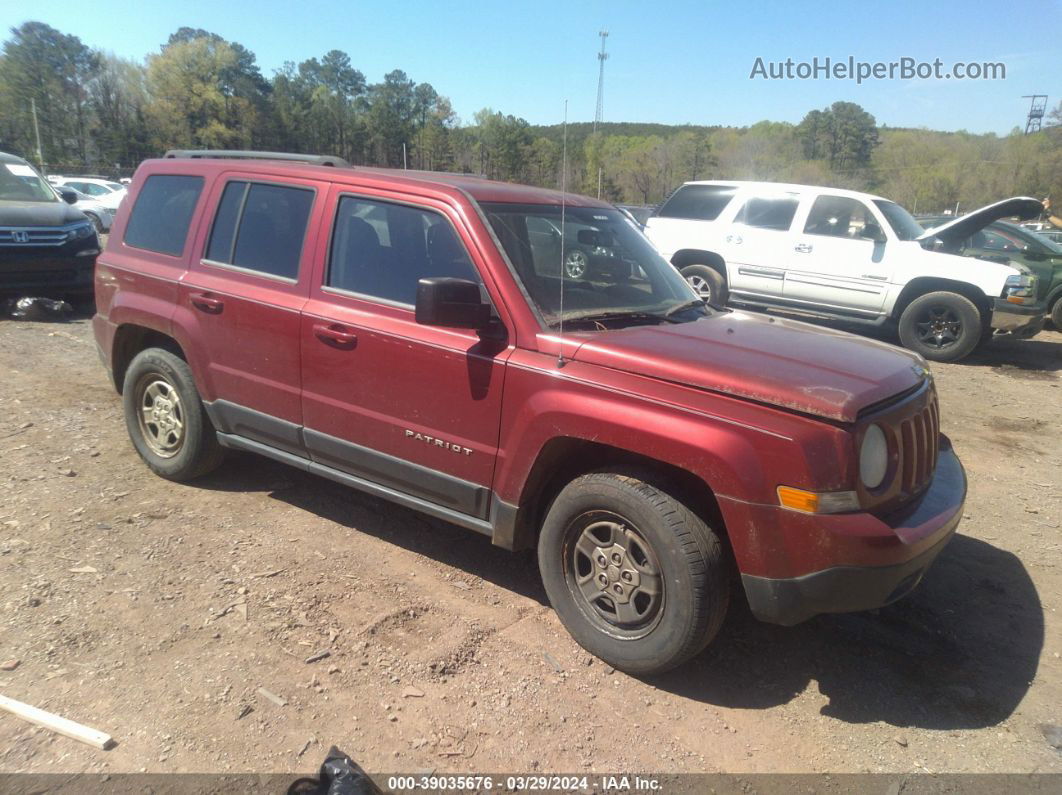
[(873, 457)]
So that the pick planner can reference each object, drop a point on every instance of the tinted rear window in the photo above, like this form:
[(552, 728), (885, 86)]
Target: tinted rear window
[(261, 228), (700, 202), (773, 213), (163, 211)]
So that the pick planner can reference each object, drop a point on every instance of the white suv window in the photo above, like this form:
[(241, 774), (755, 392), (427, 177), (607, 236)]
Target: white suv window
[(840, 216), (769, 213), (697, 202)]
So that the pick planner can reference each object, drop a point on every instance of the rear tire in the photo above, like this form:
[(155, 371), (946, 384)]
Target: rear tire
[(165, 417), (666, 584), (941, 326), (708, 283)]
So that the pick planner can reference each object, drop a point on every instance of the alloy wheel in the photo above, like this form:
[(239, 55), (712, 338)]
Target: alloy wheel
[(160, 415), (613, 574), (576, 264), (939, 327), (700, 286)]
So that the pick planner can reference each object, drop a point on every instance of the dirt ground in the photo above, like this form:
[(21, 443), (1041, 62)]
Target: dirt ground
[(159, 613)]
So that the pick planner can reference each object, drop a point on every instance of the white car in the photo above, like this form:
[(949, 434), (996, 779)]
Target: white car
[(106, 192), (848, 256), (96, 211)]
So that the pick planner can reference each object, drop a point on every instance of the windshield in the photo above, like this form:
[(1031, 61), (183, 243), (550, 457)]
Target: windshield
[(610, 270), (20, 183), (901, 221), (1028, 238)]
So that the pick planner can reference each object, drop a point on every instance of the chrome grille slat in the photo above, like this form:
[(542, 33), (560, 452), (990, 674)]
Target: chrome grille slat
[(907, 455), (29, 236)]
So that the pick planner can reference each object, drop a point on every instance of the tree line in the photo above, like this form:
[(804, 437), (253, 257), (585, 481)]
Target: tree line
[(95, 112)]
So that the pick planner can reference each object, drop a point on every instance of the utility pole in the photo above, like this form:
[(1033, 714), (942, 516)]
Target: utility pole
[(599, 113), (37, 134)]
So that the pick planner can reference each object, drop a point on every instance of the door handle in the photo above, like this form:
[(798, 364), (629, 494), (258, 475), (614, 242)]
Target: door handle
[(735, 239), (207, 302), (803, 248), (335, 335)]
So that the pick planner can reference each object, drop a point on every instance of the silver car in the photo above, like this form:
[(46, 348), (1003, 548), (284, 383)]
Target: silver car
[(101, 216)]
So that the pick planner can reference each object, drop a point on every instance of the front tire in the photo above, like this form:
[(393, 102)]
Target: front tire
[(165, 417), (941, 326), (1056, 314), (708, 283), (636, 577)]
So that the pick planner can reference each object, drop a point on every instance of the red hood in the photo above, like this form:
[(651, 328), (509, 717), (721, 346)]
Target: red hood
[(785, 363)]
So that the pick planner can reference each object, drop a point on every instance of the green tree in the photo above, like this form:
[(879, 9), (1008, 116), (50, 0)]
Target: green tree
[(118, 98), (189, 103), (392, 116), (40, 65), (844, 135)]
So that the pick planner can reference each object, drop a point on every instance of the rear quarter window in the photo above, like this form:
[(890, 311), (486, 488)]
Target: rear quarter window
[(163, 212), (697, 202)]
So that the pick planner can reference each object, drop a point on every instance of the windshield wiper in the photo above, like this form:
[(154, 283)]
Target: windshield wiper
[(603, 317), (693, 303)]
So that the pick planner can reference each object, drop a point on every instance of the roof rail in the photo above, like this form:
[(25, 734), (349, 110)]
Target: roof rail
[(320, 160)]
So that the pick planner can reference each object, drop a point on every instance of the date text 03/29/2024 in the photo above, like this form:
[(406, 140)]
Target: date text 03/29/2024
[(524, 783)]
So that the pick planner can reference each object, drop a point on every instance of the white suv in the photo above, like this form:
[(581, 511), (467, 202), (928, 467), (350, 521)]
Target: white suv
[(848, 256)]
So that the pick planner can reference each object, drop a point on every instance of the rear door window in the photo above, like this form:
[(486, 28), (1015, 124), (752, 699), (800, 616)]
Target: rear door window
[(162, 213), (699, 202), (261, 228), (772, 213)]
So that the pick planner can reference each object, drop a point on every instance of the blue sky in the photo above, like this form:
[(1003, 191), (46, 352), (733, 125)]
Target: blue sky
[(671, 61)]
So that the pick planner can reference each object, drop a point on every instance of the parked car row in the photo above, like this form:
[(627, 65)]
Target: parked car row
[(852, 257), (105, 191)]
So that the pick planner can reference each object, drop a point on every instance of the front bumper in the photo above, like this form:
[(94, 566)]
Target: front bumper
[(49, 271), (931, 519), (1019, 319)]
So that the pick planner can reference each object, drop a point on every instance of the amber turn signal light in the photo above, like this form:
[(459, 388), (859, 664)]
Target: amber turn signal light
[(815, 502)]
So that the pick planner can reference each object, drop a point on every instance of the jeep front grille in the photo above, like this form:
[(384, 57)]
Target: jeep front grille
[(919, 445)]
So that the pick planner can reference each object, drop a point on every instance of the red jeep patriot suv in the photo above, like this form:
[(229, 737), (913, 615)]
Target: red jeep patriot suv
[(418, 336)]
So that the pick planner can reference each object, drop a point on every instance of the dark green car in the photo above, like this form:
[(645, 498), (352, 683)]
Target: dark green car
[(1002, 241)]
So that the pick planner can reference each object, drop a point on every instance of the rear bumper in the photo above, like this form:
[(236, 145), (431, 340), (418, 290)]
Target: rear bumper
[(932, 520), (1020, 320)]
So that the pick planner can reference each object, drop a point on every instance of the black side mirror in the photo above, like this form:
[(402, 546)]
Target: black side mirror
[(455, 303), (874, 232), (69, 196)]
